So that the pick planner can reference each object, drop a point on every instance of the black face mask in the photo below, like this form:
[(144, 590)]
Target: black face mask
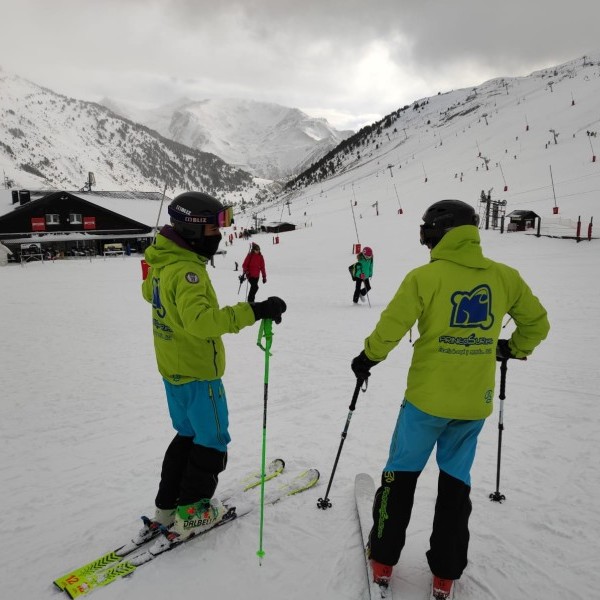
[(207, 245)]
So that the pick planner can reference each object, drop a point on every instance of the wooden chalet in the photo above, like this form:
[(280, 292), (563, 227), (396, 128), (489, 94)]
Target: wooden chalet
[(63, 224), (278, 227)]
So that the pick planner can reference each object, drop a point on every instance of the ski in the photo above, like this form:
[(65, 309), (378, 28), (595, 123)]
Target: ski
[(151, 529), (82, 584), (364, 493)]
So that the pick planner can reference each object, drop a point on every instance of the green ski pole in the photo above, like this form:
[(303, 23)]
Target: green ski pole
[(265, 331)]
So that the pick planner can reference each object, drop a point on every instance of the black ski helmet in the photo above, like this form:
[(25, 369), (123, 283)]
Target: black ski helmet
[(190, 211), (443, 216)]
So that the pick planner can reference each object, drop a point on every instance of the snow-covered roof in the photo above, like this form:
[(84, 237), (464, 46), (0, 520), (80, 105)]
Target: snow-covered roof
[(140, 206)]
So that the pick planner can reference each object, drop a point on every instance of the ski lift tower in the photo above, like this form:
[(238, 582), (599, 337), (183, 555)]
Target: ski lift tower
[(491, 210), (87, 186)]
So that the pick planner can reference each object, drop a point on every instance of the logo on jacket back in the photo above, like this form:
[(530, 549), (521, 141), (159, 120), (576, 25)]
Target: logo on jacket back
[(472, 309)]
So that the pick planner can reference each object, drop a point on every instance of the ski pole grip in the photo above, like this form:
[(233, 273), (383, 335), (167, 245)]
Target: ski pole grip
[(503, 370), (355, 395), (265, 330)]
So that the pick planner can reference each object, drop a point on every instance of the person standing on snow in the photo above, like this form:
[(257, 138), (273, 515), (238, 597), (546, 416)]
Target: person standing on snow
[(459, 300), (252, 268), (362, 273), (188, 324)]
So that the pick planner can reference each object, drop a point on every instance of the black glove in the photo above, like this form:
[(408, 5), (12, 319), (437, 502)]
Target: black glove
[(361, 365), (503, 351), (272, 308), (242, 277)]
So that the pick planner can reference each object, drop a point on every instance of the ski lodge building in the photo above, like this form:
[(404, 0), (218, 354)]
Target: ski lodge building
[(38, 224)]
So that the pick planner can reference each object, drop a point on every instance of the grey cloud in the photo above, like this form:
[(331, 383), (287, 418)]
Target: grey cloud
[(293, 53)]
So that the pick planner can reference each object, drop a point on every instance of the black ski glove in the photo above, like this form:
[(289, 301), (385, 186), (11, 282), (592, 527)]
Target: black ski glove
[(361, 365), (242, 278), (272, 308), (503, 351)]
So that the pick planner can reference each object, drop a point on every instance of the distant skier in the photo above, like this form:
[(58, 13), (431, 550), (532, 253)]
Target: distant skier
[(459, 300), (253, 267), (362, 272), (188, 324)]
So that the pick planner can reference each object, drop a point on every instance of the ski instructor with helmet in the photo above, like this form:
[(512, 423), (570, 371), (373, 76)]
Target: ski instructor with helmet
[(188, 323), (459, 300)]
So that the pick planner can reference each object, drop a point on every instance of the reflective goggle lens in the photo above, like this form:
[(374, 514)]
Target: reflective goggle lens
[(225, 217)]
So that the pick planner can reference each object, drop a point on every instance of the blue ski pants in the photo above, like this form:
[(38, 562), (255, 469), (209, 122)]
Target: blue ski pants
[(416, 434), (199, 410)]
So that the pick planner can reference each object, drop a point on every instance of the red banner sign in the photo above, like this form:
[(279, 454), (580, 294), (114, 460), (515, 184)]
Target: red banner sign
[(38, 224), (89, 222)]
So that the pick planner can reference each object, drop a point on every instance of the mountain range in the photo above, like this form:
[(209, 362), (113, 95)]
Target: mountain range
[(268, 140), (50, 140)]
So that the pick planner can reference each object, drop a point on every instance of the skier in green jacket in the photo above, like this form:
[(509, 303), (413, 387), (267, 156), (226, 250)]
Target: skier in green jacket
[(362, 271), (188, 323), (459, 300)]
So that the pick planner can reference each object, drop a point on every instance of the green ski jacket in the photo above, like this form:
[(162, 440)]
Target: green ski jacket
[(459, 300), (186, 319)]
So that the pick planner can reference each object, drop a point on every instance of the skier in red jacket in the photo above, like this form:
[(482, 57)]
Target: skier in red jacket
[(253, 267)]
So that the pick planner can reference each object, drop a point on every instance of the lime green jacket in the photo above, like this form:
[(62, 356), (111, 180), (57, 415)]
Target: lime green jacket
[(459, 300), (186, 319)]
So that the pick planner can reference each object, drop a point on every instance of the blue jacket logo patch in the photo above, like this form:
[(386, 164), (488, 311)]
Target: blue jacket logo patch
[(156, 303), (472, 309)]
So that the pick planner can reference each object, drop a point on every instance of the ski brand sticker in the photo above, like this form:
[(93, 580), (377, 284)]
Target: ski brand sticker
[(192, 277)]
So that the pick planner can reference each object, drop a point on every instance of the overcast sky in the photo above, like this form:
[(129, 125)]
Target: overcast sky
[(347, 60)]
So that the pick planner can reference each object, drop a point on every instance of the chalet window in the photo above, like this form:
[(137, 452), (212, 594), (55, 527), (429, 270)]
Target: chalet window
[(75, 219), (52, 219)]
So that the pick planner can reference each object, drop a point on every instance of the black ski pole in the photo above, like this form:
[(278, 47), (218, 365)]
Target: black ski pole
[(241, 278), (325, 503), (497, 496)]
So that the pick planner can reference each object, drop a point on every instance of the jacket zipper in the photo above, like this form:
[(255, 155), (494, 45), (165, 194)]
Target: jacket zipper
[(216, 413), (215, 357)]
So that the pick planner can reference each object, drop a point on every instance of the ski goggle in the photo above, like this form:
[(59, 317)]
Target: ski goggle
[(224, 218)]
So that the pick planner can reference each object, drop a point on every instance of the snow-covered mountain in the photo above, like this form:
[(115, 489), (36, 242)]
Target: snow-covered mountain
[(266, 139), (531, 142), (50, 140)]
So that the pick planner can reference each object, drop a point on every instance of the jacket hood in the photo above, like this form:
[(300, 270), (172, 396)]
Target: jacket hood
[(462, 246), (170, 247)]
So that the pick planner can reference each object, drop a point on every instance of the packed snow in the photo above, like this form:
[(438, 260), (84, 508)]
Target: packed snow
[(84, 419)]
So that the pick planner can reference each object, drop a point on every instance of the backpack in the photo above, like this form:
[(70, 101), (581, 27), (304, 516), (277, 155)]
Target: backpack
[(351, 270)]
